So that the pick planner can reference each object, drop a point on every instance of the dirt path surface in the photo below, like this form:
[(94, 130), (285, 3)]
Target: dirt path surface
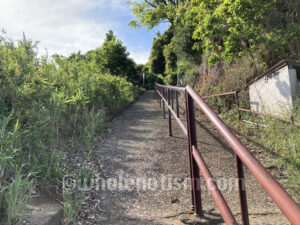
[(137, 146)]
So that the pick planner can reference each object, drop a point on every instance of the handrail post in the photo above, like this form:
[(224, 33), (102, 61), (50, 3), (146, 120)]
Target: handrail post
[(170, 119), (156, 93), (164, 110), (194, 169), (172, 99), (242, 191), (236, 95), (160, 102), (177, 104), (160, 99)]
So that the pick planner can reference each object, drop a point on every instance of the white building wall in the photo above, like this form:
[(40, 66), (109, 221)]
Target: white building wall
[(295, 88), (275, 95)]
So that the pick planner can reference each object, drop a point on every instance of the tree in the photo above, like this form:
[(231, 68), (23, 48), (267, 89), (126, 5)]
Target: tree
[(112, 57), (231, 28), (164, 55), (150, 13), (157, 62), (218, 32)]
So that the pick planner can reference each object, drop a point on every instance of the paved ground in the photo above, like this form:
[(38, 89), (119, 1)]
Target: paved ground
[(137, 146)]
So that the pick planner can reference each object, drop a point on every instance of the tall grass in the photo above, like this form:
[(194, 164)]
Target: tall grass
[(14, 197), (47, 104), (279, 140)]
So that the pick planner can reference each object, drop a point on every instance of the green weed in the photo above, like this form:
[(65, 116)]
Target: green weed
[(14, 198)]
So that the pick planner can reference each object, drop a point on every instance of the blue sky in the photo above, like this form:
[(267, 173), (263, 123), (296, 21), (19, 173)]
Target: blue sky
[(66, 26)]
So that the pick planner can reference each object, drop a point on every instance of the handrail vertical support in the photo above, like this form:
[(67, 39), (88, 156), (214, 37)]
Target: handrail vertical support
[(164, 110), (172, 99), (158, 97), (236, 95), (177, 105), (170, 119), (242, 191), (194, 169)]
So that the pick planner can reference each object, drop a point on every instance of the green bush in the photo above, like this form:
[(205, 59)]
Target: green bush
[(46, 104), (152, 79)]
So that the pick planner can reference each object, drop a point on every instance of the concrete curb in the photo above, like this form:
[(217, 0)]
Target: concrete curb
[(43, 211)]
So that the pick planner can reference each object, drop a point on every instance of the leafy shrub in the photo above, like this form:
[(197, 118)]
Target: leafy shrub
[(47, 104), (151, 79)]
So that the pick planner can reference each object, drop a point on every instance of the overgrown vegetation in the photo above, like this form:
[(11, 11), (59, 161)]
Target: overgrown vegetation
[(278, 139), (49, 104)]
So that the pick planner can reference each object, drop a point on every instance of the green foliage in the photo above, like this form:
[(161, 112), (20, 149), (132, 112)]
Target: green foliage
[(171, 64), (279, 140), (227, 30), (157, 61), (112, 57), (167, 52), (72, 203), (13, 199), (172, 43), (47, 104), (213, 59), (234, 28), (189, 70), (152, 79), (9, 145), (152, 13)]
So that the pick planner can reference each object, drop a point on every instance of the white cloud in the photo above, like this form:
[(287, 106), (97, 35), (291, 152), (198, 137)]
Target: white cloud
[(140, 57), (119, 5), (61, 26)]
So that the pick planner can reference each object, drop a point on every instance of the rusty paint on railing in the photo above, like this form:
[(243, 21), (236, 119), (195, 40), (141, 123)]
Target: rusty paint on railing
[(212, 186), (268, 115)]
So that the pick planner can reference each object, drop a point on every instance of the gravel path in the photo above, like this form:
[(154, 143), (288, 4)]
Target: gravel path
[(138, 150)]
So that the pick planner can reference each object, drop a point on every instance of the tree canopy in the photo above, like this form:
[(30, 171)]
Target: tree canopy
[(266, 30), (112, 57)]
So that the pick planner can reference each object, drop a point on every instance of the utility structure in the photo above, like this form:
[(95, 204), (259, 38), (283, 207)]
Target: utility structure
[(275, 91)]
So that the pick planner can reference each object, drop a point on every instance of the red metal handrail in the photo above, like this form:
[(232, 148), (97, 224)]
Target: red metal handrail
[(173, 88), (180, 123), (243, 156), (218, 95), (271, 116), (235, 93), (212, 186)]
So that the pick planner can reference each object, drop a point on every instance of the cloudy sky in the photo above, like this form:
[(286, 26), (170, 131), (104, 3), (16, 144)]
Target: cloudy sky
[(66, 26)]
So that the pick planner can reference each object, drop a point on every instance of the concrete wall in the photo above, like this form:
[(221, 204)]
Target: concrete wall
[(275, 95)]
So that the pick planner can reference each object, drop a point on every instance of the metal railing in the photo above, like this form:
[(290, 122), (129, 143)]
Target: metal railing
[(243, 156), (235, 94)]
